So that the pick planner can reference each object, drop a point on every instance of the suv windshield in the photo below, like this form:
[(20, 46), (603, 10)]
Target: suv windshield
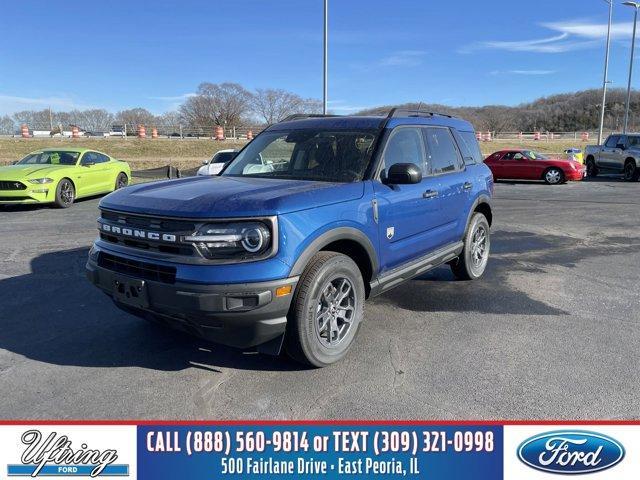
[(50, 158), (319, 155)]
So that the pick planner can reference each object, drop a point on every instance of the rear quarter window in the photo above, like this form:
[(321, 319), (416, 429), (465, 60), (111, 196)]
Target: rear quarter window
[(469, 147)]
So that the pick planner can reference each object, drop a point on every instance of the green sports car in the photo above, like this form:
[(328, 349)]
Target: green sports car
[(60, 175)]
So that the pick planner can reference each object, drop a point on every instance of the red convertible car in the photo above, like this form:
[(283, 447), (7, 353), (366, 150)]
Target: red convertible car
[(529, 165)]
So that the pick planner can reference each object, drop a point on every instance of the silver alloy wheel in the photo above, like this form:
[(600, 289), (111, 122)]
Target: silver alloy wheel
[(122, 182), (335, 311), (66, 193), (553, 176), (479, 247)]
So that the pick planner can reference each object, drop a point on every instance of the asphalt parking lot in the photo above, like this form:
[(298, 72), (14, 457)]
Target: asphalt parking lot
[(552, 331)]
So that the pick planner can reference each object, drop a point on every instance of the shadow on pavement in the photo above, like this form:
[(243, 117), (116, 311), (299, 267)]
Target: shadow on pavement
[(512, 252), (54, 315)]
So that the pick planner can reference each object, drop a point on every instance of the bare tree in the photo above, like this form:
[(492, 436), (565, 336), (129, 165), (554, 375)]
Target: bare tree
[(94, 120), (38, 120), (7, 125), (172, 119), (273, 105), (134, 117), (224, 104)]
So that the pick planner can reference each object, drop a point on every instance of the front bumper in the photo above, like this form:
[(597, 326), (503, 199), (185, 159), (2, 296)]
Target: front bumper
[(576, 175), (33, 194), (239, 315)]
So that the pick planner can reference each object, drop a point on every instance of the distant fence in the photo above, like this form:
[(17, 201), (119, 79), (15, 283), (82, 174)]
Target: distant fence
[(217, 132), (488, 136)]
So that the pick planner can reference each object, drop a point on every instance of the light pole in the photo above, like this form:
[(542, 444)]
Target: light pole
[(605, 82), (325, 58), (635, 5)]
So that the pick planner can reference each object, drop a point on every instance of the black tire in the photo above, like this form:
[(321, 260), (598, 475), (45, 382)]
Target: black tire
[(65, 193), (553, 176), (306, 340), (592, 169), (467, 266), (631, 171), (121, 181)]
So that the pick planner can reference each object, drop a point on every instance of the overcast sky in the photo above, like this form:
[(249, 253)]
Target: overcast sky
[(153, 54)]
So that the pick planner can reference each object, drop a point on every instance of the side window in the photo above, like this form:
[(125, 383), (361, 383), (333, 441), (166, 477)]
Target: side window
[(405, 145), (612, 141), (469, 146), (100, 158), (89, 157), (508, 156), (443, 154)]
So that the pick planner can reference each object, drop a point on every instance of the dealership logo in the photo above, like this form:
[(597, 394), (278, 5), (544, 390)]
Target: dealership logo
[(55, 455), (571, 452), (137, 233)]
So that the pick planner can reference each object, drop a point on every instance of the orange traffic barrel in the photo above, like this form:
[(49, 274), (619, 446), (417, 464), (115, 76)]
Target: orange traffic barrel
[(219, 133), (24, 130), (249, 135), (142, 131), (585, 136), (537, 136), (154, 132), (75, 132)]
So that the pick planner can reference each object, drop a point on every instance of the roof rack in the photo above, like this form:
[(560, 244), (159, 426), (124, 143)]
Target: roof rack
[(407, 112), (301, 116)]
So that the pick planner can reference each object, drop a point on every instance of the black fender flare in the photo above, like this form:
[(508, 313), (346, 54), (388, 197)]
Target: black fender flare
[(334, 235), (484, 198)]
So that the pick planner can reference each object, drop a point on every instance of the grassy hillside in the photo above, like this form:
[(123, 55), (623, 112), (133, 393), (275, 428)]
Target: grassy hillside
[(149, 153)]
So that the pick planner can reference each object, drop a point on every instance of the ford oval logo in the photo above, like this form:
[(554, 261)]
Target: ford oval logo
[(570, 452)]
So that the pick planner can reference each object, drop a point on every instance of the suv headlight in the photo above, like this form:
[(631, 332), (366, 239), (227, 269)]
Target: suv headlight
[(41, 181), (237, 240)]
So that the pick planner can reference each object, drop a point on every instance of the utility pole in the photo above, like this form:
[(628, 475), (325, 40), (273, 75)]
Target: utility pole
[(325, 58), (605, 82), (635, 5)]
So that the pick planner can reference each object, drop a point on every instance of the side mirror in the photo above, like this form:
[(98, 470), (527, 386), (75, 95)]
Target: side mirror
[(403, 174), (205, 162)]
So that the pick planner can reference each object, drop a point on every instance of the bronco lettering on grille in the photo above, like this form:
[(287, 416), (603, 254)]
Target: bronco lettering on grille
[(136, 233)]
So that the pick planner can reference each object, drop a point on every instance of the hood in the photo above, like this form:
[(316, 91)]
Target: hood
[(227, 197), (17, 172)]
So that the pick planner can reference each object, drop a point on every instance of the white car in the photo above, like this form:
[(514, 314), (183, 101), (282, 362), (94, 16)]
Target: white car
[(215, 165)]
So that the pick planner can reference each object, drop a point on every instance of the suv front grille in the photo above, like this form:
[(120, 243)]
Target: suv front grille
[(126, 221), (11, 185), (134, 268)]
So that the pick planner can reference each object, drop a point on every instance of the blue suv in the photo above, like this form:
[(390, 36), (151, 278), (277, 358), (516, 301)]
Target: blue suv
[(312, 217)]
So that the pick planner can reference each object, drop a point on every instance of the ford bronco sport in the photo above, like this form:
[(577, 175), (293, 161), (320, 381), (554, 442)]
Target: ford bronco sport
[(313, 216)]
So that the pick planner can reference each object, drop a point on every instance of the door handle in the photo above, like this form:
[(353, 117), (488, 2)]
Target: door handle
[(430, 194), (467, 185)]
